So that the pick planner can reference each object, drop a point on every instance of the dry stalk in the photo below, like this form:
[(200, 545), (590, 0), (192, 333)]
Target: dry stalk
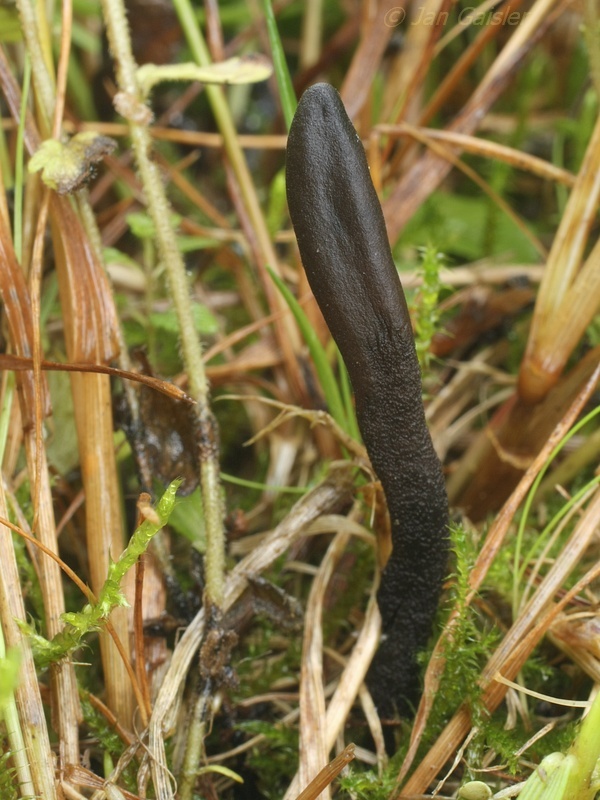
[(34, 404), (375, 35), (316, 739), (319, 786), (90, 320), (29, 739), (313, 747), (350, 684), (90, 326), (467, 59), (404, 87)]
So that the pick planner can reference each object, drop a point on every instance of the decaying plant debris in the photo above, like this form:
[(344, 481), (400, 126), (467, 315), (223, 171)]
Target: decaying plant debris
[(145, 246)]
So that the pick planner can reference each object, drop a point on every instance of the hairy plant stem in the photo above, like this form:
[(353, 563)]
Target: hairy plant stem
[(160, 211), (195, 744), (286, 332)]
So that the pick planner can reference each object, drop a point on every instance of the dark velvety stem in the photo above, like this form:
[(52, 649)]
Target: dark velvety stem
[(345, 251)]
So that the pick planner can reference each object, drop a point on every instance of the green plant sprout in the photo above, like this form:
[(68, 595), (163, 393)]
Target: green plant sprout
[(94, 615), (427, 308)]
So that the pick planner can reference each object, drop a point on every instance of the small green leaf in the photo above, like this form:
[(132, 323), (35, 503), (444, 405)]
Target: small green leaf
[(142, 225), (187, 519), (251, 68), (190, 244), (167, 321), (221, 770)]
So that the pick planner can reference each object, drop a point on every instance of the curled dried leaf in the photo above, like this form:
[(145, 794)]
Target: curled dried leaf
[(67, 167)]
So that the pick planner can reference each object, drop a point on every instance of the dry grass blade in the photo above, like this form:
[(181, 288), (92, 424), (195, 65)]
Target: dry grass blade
[(499, 678), (90, 315), (483, 147), (313, 746), (465, 61), (374, 40), (34, 764), (17, 303), (322, 781), (76, 775), (555, 330), (351, 680), (427, 173), (24, 363), (34, 403)]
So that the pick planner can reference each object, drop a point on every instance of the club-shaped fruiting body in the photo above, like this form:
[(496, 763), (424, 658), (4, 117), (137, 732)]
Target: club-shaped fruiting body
[(345, 251)]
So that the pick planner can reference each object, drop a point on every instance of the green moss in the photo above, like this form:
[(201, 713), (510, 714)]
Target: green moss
[(366, 784), (274, 760), (468, 649), (259, 666), (8, 787), (109, 744)]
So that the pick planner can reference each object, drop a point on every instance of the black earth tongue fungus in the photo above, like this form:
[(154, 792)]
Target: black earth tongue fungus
[(345, 251)]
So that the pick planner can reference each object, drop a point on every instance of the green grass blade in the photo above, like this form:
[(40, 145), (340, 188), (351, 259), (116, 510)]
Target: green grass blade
[(346, 389), (529, 502), (324, 372), (282, 73), (263, 487)]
